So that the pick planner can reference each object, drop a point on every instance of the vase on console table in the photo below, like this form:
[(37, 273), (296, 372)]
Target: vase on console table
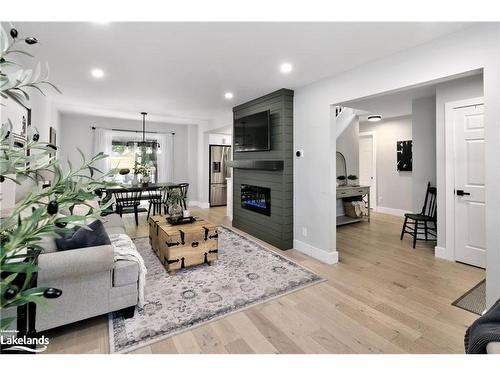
[(145, 180)]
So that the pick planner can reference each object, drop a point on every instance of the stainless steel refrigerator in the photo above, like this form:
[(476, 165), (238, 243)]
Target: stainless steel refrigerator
[(219, 171)]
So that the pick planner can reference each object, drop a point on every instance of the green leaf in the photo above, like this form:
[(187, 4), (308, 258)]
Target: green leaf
[(19, 267), (52, 85), (34, 291), (71, 218), (9, 279), (81, 154), (6, 322), (21, 52)]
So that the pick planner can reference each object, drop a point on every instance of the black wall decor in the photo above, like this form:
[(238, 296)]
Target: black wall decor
[(404, 156)]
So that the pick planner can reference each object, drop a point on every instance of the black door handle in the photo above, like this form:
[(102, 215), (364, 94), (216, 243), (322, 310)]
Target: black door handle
[(461, 193)]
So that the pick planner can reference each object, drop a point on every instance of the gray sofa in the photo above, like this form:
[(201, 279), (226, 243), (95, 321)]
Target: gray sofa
[(91, 281)]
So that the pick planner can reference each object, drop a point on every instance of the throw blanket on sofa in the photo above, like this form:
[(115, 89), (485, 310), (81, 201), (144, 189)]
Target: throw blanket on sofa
[(484, 330), (125, 249)]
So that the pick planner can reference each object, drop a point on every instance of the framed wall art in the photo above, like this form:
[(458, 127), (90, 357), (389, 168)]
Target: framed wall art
[(404, 156)]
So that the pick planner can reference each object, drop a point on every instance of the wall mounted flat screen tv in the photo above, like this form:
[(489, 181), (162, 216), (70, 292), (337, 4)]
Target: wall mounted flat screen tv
[(253, 133)]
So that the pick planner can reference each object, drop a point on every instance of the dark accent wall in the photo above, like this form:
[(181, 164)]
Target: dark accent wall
[(276, 229)]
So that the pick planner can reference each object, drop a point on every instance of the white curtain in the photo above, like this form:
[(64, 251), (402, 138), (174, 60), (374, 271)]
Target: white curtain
[(165, 160), (103, 141)]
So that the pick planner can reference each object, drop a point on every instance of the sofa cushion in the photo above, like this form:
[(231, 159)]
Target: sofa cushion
[(83, 237), (115, 230), (125, 272), (113, 221)]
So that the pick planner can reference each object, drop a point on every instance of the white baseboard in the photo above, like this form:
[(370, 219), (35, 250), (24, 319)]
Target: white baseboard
[(198, 204), (203, 204), (443, 253), (321, 255), (391, 211)]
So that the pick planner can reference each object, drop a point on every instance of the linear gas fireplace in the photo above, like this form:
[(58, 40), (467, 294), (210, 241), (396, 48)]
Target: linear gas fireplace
[(256, 198)]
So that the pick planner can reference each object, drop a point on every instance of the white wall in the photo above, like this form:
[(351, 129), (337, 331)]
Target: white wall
[(220, 139), (75, 132), (42, 118), (222, 123), (424, 148), (192, 161), (314, 183), (394, 188)]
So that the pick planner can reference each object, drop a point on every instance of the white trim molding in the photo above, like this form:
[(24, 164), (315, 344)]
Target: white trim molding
[(443, 253), (203, 204), (198, 204), (321, 255), (391, 211)]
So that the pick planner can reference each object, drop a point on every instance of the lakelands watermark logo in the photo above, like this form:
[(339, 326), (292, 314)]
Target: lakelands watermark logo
[(11, 343)]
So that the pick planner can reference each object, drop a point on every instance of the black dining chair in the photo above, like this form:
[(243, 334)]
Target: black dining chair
[(155, 201), (419, 224), (128, 202), (184, 192)]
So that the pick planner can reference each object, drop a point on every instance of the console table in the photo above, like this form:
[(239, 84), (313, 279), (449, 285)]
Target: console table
[(352, 191)]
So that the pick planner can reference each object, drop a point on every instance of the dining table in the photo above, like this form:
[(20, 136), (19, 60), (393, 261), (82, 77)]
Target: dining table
[(140, 187), (129, 188)]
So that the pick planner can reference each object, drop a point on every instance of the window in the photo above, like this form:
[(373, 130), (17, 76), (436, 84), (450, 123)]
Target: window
[(126, 154)]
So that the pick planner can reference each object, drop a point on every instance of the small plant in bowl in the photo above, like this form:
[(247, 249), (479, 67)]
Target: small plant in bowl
[(341, 179), (353, 179)]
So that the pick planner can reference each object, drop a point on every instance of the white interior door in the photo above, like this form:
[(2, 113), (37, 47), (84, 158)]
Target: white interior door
[(470, 231), (367, 167)]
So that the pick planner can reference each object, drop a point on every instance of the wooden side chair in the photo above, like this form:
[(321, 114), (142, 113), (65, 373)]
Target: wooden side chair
[(423, 223), (128, 202)]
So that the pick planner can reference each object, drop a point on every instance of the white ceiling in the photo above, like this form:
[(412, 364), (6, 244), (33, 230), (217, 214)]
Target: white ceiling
[(390, 105), (184, 69), (398, 103)]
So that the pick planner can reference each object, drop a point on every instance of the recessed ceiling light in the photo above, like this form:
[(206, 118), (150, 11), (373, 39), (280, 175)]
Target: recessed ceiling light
[(228, 95), (97, 73), (286, 68), (374, 118)]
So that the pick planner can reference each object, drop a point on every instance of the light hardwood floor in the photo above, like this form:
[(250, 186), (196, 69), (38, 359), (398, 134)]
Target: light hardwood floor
[(383, 297)]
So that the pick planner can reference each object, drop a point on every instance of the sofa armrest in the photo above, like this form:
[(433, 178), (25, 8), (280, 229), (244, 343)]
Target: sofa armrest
[(73, 263)]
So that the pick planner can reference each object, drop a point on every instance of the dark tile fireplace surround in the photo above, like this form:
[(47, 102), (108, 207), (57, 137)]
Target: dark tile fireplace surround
[(263, 180)]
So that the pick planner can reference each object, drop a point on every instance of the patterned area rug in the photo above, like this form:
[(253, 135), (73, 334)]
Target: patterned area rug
[(246, 274), (473, 300)]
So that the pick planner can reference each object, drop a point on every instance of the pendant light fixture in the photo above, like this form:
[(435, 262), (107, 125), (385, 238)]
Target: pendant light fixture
[(144, 145)]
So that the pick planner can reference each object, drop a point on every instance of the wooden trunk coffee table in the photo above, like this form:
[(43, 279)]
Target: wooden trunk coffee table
[(184, 245)]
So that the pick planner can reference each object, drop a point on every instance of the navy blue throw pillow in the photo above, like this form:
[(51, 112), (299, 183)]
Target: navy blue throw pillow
[(84, 238)]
